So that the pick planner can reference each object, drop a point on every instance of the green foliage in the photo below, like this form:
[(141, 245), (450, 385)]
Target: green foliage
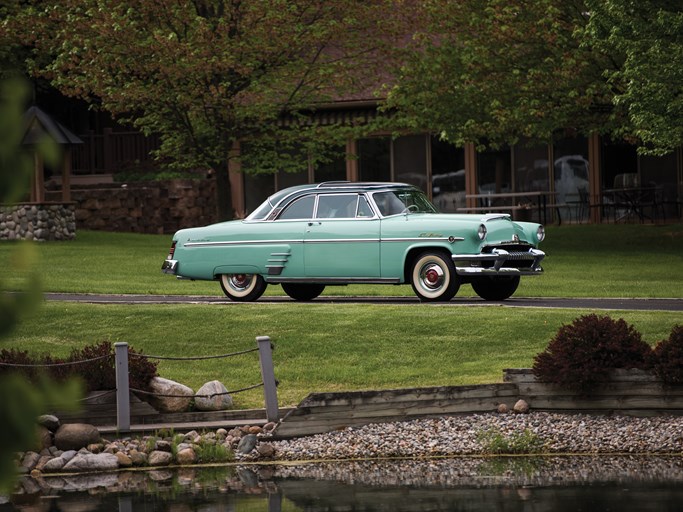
[(16, 166), (582, 354), (95, 366), (20, 405), (205, 74), (496, 71), (208, 453), (496, 442), (668, 357), (644, 40), (20, 402)]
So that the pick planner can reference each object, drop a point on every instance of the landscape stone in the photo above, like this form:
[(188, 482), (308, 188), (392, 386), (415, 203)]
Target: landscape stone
[(54, 465), (92, 462), (247, 443), (158, 458), (186, 456), (521, 407), (213, 396), (178, 397), (74, 436), (49, 421)]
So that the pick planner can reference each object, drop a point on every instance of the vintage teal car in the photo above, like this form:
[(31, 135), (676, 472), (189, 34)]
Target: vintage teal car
[(336, 233)]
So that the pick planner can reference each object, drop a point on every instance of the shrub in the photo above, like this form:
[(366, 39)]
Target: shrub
[(584, 353), (494, 441), (94, 365), (668, 357)]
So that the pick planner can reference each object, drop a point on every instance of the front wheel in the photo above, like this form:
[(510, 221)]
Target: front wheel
[(301, 291), (243, 287), (495, 288), (433, 277)]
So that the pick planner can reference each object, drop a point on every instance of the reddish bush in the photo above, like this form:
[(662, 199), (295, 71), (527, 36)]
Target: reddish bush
[(93, 364), (668, 357), (582, 354)]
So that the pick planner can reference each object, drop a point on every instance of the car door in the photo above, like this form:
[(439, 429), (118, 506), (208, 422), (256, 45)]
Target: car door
[(342, 241)]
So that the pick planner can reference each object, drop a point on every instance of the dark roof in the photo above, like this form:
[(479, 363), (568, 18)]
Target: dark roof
[(37, 124)]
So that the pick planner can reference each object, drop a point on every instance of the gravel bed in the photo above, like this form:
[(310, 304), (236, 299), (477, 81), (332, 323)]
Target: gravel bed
[(462, 435)]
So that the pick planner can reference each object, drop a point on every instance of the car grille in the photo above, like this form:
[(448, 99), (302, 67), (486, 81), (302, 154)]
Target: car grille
[(518, 257)]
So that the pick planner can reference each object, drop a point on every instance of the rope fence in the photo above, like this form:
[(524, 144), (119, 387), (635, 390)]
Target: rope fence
[(122, 355), (51, 365)]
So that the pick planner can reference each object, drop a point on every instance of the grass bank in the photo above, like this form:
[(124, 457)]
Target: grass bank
[(319, 347), (583, 261)]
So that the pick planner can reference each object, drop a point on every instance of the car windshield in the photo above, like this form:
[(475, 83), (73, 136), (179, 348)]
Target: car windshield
[(400, 201), (261, 212)]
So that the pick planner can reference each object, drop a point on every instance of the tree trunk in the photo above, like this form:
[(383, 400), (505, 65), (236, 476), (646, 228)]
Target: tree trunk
[(223, 192)]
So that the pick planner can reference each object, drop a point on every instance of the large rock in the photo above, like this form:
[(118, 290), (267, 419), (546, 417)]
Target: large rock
[(169, 396), (92, 462), (213, 396), (159, 458), (74, 436)]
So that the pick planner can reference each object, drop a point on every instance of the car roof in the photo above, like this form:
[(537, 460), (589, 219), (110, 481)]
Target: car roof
[(329, 187)]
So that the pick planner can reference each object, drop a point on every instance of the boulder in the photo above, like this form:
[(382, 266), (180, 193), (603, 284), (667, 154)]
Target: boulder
[(44, 437), (92, 462), (53, 465), (49, 421), (247, 443), (213, 396), (521, 407), (158, 458), (186, 456), (169, 396), (74, 436)]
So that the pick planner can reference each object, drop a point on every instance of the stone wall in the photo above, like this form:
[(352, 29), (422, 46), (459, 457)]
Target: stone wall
[(155, 207), (41, 222)]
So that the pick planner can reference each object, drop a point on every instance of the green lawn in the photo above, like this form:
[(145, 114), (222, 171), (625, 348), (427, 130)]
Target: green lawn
[(582, 261), (319, 347), (327, 347)]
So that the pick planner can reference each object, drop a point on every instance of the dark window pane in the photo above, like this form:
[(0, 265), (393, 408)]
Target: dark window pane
[(373, 159), (299, 209)]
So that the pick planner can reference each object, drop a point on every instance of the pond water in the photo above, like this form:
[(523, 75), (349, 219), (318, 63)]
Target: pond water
[(456, 484)]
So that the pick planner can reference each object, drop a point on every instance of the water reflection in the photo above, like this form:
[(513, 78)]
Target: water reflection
[(458, 484)]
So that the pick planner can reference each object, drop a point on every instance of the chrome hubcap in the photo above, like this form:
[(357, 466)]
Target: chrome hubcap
[(240, 281), (432, 276)]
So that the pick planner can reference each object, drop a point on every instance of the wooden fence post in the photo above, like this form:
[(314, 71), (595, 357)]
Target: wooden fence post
[(122, 387), (265, 351)]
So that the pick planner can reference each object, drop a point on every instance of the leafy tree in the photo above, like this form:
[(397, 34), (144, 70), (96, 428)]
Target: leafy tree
[(495, 71), (646, 38), (207, 73), (498, 70)]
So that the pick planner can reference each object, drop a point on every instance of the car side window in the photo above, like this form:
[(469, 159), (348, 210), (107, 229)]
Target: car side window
[(300, 209), (364, 210), (340, 206)]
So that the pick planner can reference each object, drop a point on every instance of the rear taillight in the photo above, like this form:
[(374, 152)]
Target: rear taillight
[(172, 251)]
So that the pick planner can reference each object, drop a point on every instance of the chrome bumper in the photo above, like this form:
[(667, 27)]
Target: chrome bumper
[(499, 257), (169, 267)]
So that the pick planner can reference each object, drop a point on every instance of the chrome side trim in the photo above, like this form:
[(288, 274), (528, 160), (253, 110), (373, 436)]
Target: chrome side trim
[(334, 280), (277, 262), (340, 240), (323, 241), (241, 242), (449, 239)]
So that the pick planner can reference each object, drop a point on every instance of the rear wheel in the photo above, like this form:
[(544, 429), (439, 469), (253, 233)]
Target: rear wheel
[(433, 277), (303, 291), (243, 287), (495, 288)]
